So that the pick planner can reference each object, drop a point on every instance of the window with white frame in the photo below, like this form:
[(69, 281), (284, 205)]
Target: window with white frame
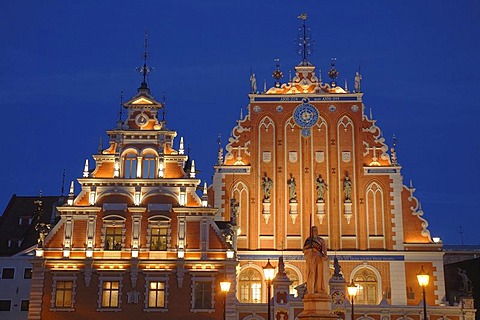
[(367, 284), (250, 283), (148, 166), (113, 233), (110, 292), (202, 294), (63, 295), (159, 233)]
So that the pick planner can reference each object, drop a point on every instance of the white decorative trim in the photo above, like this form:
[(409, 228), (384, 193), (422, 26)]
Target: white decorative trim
[(396, 204), (398, 284), (417, 211), (439, 282)]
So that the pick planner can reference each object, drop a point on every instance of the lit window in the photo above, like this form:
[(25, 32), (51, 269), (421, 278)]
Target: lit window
[(250, 286), (148, 166), (110, 294), (156, 294), (64, 294), (158, 238), (367, 286), (202, 295), (130, 168), (113, 238)]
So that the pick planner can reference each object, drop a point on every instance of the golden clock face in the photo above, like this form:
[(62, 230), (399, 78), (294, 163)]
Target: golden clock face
[(141, 119)]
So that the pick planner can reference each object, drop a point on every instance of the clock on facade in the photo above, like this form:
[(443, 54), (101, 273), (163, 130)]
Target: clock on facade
[(141, 119), (305, 115)]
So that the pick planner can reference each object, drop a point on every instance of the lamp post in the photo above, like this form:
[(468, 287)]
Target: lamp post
[(423, 279), (225, 287), (268, 272), (352, 292)]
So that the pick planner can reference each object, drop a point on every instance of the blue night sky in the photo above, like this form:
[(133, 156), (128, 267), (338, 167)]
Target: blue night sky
[(63, 65)]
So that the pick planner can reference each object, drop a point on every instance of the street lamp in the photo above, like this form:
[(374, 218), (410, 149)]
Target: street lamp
[(423, 279), (268, 272), (225, 287), (352, 292)]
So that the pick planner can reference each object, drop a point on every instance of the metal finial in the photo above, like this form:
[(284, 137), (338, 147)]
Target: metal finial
[(333, 73), (304, 40), (277, 74), (63, 182), (145, 70), (120, 109), (164, 106)]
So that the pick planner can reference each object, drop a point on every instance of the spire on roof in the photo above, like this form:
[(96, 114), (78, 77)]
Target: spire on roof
[(304, 41), (145, 70)]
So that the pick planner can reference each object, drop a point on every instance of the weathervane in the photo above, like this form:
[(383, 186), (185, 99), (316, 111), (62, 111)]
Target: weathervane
[(333, 73), (304, 40), (277, 74), (145, 70)]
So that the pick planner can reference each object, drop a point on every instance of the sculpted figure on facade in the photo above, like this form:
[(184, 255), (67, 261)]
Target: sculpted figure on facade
[(358, 82), (292, 189), (347, 189), (43, 229), (315, 251), (267, 184), (321, 186), (253, 83)]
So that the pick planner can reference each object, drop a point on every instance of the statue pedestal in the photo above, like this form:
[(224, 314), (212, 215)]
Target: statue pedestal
[(347, 205), (266, 211), (317, 306), (293, 211), (320, 210)]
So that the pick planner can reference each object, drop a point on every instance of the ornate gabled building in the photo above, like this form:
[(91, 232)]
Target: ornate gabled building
[(307, 153), (137, 239)]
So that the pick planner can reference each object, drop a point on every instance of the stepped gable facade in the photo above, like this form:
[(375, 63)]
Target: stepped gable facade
[(137, 239)]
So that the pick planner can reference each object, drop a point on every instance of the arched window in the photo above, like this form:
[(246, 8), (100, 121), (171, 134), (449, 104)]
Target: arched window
[(148, 166), (293, 276), (250, 283), (368, 286), (130, 166)]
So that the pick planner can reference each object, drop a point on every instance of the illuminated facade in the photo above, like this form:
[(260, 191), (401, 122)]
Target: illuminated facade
[(143, 238), (307, 153), (137, 239)]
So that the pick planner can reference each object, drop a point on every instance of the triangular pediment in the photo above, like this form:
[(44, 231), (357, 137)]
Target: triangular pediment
[(142, 100)]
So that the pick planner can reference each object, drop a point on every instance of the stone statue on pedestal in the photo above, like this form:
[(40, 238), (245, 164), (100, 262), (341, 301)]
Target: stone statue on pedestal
[(315, 252)]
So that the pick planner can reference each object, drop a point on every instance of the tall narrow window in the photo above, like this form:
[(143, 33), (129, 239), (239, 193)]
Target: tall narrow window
[(110, 294), (368, 286), (63, 294), (156, 294), (250, 286), (113, 238), (130, 168), (202, 295), (148, 166), (158, 238)]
